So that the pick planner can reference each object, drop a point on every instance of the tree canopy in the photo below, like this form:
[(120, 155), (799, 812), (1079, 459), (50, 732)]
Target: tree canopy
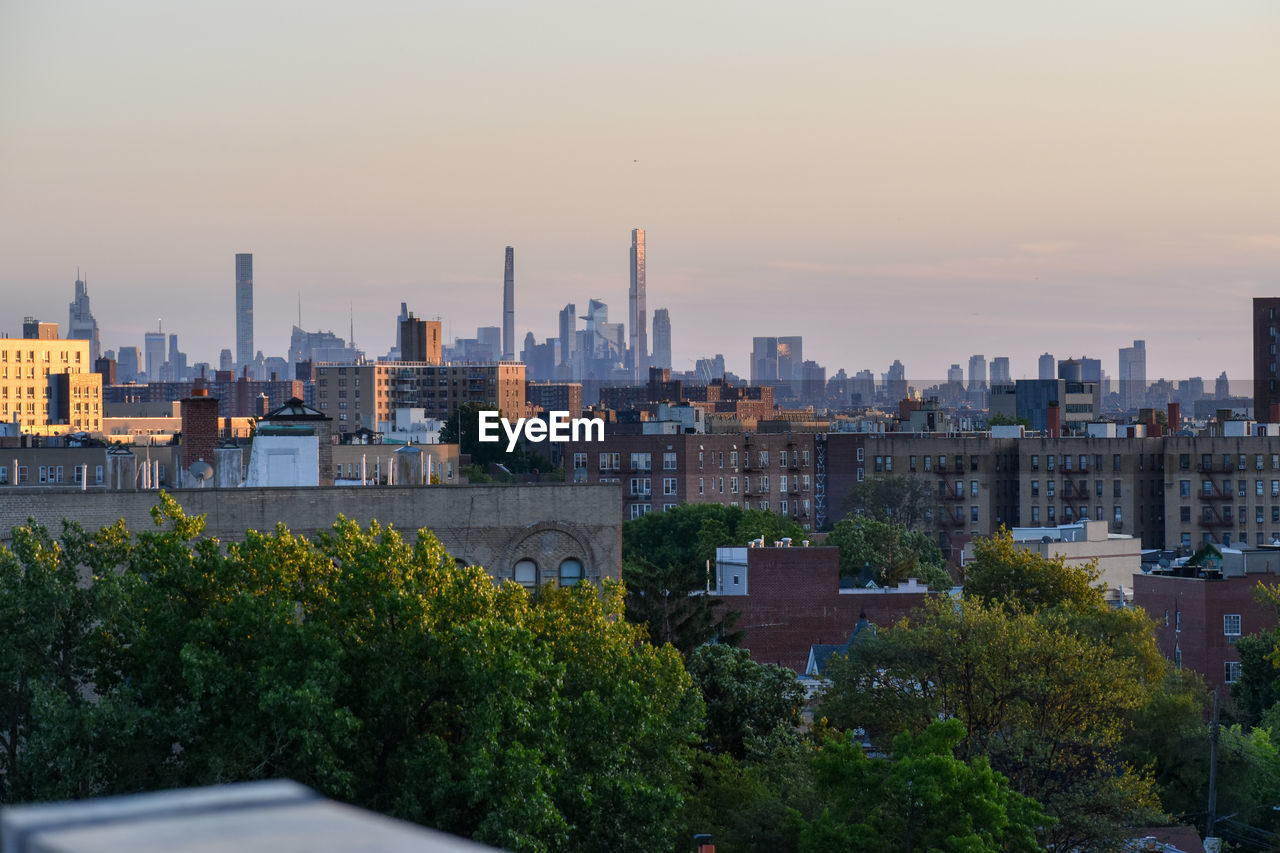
[(373, 669), (891, 498), (1046, 679), (665, 556), (891, 553)]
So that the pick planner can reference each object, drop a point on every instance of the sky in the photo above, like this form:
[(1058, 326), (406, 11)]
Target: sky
[(920, 181)]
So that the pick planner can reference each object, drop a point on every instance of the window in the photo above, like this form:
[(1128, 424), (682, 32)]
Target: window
[(525, 573), (733, 459), (764, 458), (1115, 462), (641, 461), (1035, 463), (1177, 621), (1050, 461), (911, 463), (639, 510), (764, 482), (1050, 486), (1053, 515), (1231, 625), (1184, 514), (1186, 543), (4, 474), (942, 462), (861, 474), (973, 488), (668, 485), (571, 571), (641, 486), (1242, 462), (879, 463), (782, 458), (784, 507), (668, 462), (1035, 488), (888, 463), (928, 463), (959, 488), (1184, 488), (700, 486), (973, 514), (1231, 671), (806, 457), (1119, 518), (1035, 513), (700, 455), (782, 483), (860, 452), (1115, 488), (1258, 520), (733, 485), (579, 461), (610, 461), (1066, 462)]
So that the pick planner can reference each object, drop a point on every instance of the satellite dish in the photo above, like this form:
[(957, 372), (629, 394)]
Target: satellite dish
[(202, 471)]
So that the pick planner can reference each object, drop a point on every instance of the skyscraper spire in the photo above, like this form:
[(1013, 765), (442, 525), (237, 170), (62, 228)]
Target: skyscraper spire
[(639, 354), (509, 306)]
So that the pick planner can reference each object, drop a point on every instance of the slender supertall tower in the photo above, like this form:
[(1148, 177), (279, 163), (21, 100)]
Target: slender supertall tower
[(639, 318), (80, 322), (244, 310), (509, 307)]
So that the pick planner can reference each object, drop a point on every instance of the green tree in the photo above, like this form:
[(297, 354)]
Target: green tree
[(743, 699), (891, 498), (891, 552), (668, 555), (378, 672), (1003, 573), (1047, 703), (923, 798)]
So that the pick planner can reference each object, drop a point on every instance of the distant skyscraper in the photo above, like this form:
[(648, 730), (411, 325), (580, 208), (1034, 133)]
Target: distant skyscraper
[(568, 327), (153, 349), (764, 360), (1000, 370), (1266, 361), (639, 317), (661, 338), (895, 382), (509, 306), (790, 357), (80, 324), (1133, 375), (1222, 387), (225, 361), (1048, 367), (977, 372), (955, 376), (128, 365), (244, 310)]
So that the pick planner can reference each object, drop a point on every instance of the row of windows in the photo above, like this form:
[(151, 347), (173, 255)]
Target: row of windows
[(1230, 461), (50, 474), (45, 354), (1206, 488), (527, 573), (1228, 515), (1069, 514), (795, 483)]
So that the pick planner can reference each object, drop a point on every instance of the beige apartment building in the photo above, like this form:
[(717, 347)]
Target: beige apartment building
[(363, 395), (48, 386)]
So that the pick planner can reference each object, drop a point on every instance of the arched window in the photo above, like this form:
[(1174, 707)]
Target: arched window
[(570, 572), (526, 573)]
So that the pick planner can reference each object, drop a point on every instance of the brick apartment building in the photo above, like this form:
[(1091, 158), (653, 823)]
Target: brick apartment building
[(238, 397), (47, 384), (365, 395), (789, 599), (1199, 619), (778, 471)]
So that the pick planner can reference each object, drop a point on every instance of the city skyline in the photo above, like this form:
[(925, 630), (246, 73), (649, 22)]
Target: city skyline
[(865, 172)]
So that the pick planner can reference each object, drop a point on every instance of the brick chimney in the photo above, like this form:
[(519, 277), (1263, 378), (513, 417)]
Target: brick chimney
[(1175, 418), (1054, 429), (199, 427), (1273, 413)]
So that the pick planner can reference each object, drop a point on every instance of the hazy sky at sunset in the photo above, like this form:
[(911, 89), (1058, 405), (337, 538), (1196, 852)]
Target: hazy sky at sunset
[(918, 180)]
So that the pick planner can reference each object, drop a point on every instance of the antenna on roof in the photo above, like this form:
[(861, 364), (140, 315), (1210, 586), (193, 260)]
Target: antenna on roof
[(351, 306)]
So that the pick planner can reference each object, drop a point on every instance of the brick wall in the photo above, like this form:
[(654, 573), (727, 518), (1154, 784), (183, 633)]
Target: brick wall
[(491, 526)]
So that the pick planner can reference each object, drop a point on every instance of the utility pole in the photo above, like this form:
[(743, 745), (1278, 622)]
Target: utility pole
[(1213, 768)]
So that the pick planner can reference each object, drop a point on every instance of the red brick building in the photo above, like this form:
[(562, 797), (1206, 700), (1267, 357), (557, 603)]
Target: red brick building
[(789, 598), (1199, 619), (777, 471)]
